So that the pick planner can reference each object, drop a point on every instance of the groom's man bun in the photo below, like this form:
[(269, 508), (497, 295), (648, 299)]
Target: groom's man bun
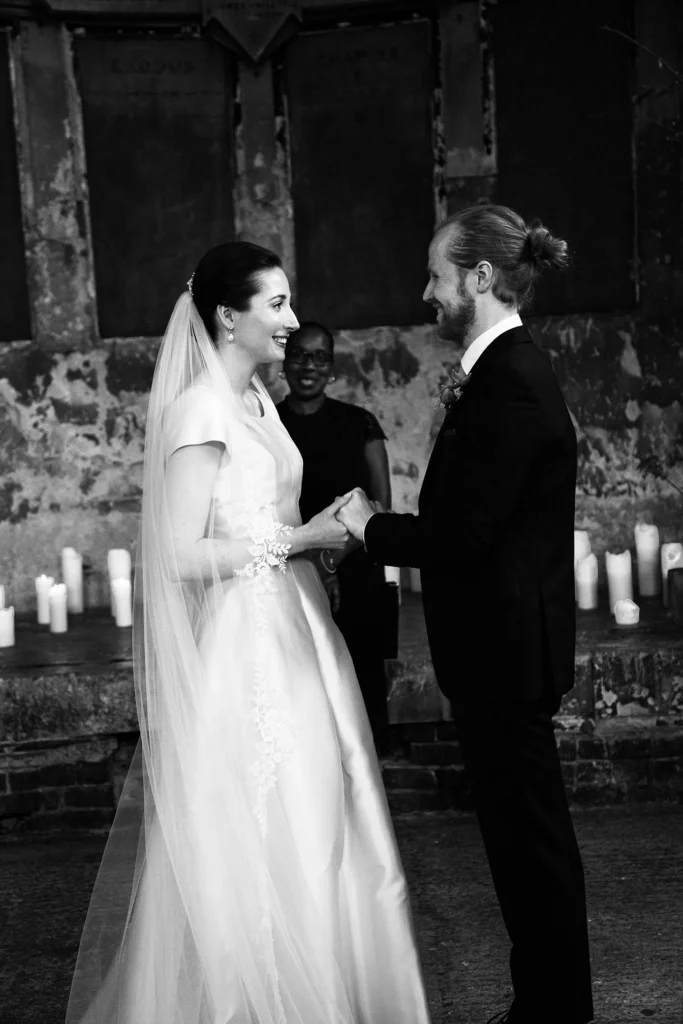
[(517, 251), (543, 249)]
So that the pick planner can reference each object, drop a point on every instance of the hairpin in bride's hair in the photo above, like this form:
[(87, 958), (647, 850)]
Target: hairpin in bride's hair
[(189, 284)]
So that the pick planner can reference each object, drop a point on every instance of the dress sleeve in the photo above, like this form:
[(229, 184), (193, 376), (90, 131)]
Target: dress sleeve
[(371, 428), (196, 417)]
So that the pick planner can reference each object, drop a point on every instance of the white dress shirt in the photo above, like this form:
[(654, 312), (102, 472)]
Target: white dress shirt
[(481, 343)]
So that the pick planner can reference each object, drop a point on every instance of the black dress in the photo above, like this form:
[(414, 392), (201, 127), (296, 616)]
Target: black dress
[(332, 444)]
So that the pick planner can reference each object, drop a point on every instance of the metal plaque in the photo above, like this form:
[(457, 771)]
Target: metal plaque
[(362, 157), (157, 118)]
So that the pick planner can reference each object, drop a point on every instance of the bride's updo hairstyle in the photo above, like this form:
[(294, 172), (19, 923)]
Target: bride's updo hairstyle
[(518, 252), (228, 275)]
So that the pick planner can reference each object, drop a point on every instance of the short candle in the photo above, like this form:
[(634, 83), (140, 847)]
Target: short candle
[(619, 577), (118, 567), (58, 617), (43, 587), (7, 627), (586, 577), (123, 611), (626, 613)]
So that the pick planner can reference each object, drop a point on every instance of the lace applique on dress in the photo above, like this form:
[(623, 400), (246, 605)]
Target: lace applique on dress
[(268, 550), (273, 724), (276, 734)]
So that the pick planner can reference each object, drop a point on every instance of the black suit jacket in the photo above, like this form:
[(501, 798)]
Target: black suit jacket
[(494, 535)]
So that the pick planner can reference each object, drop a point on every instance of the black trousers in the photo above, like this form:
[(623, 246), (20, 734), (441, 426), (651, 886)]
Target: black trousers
[(512, 760), (361, 583)]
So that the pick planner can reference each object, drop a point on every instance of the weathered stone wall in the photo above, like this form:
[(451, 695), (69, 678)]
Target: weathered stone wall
[(72, 406), (72, 432)]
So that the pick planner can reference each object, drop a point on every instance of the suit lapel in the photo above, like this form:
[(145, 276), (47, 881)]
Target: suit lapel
[(449, 422), (488, 359)]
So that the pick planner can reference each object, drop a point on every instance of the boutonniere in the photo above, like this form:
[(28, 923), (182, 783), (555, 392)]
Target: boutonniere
[(452, 392)]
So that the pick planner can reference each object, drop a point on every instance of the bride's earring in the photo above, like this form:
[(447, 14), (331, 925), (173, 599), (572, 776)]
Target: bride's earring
[(282, 375), (331, 380), (230, 325)]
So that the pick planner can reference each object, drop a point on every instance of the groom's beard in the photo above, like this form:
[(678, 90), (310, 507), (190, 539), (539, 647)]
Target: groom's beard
[(456, 321)]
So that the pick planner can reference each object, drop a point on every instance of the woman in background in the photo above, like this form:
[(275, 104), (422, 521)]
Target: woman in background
[(343, 446)]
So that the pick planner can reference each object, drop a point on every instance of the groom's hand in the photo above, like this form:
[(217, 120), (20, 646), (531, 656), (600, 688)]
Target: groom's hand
[(356, 512)]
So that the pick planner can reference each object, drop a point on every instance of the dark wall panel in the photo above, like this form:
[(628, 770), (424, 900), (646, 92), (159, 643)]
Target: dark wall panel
[(159, 150), (360, 110), (15, 322), (564, 123)]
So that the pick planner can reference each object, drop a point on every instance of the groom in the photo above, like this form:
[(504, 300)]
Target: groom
[(494, 541)]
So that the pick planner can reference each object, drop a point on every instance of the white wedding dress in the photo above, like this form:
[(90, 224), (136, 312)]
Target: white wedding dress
[(271, 889)]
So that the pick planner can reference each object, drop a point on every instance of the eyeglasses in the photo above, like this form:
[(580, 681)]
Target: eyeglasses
[(299, 357)]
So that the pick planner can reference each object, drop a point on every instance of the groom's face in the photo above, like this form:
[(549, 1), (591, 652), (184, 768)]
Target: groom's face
[(448, 293)]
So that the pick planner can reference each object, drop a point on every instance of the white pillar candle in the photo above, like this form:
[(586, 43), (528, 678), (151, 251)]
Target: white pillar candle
[(7, 627), (123, 606), (58, 602), (626, 613), (672, 558), (415, 581), (587, 582), (43, 587), (582, 548), (619, 577), (72, 574), (2, 596), (118, 568), (392, 574), (647, 548)]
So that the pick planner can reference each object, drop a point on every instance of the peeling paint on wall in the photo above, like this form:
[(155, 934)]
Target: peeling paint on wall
[(72, 431), (71, 451)]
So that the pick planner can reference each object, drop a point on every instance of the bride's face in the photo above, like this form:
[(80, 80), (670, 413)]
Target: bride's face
[(262, 330)]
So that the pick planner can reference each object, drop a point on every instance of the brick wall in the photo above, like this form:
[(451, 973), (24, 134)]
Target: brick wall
[(76, 784)]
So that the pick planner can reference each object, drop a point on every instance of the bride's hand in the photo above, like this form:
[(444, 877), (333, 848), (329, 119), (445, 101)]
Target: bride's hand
[(324, 530)]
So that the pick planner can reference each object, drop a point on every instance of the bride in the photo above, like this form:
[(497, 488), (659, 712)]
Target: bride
[(251, 875)]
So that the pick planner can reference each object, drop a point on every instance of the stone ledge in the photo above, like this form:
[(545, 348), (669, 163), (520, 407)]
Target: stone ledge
[(61, 704), (68, 723), (619, 672)]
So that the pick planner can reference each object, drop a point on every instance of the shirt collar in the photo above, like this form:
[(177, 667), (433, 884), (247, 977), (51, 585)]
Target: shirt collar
[(481, 343)]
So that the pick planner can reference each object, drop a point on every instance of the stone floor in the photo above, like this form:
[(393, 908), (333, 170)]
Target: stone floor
[(634, 874)]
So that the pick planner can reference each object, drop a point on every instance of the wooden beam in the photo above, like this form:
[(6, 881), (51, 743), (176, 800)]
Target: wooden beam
[(262, 202), (58, 251)]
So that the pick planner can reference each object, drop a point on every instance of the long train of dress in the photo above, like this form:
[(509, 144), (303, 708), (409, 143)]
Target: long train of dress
[(271, 889)]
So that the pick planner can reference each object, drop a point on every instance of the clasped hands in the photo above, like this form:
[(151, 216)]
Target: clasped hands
[(341, 524), (356, 511)]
